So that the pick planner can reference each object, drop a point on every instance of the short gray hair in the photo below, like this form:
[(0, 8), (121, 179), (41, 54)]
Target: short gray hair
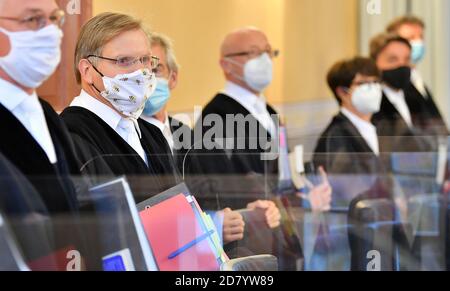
[(167, 45)]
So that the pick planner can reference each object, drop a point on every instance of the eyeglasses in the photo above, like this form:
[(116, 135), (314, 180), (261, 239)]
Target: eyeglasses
[(255, 52), (39, 21), (127, 62)]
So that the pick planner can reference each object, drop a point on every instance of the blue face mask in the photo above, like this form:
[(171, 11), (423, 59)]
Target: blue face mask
[(159, 98), (418, 51)]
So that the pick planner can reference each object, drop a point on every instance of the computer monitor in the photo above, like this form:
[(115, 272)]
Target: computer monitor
[(123, 243), (10, 254)]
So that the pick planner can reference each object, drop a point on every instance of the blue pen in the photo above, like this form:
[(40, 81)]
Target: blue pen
[(190, 245)]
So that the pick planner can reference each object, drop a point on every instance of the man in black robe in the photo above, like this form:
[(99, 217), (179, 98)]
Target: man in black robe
[(25, 213), (33, 137), (237, 144), (110, 138)]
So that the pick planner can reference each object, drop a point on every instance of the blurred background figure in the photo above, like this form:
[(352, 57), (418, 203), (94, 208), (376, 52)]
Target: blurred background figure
[(349, 148), (423, 105), (397, 124)]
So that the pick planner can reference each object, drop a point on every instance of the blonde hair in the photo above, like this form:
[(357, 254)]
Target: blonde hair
[(167, 45), (99, 31), (395, 25)]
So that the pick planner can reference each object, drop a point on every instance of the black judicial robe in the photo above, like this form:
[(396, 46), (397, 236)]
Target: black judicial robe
[(182, 154), (253, 175), (394, 133), (341, 149), (103, 152), (350, 163), (245, 163), (425, 113), (247, 160), (53, 182), (195, 165), (19, 202)]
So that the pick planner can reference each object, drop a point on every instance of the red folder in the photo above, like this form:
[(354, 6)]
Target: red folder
[(57, 261), (171, 226)]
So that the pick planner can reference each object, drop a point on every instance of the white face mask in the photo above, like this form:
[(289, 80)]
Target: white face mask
[(367, 98), (34, 55), (128, 93), (258, 72)]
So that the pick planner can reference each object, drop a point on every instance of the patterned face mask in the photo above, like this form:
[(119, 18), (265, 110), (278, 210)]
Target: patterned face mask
[(128, 93)]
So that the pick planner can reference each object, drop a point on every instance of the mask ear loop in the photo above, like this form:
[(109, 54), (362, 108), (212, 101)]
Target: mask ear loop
[(237, 64), (100, 92), (346, 90)]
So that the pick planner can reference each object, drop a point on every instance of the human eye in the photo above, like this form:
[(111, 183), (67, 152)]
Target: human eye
[(125, 61)]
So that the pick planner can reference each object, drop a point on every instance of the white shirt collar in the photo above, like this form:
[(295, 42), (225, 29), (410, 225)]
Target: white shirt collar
[(397, 98), (12, 96), (367, 130), (393, 94), (256, 105), (157, 122), (418, 82), (28, 110), (106, 113), (245, 97)]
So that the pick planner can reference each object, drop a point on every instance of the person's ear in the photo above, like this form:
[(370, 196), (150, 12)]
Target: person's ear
[(173, 80), (86, 71), (226, 66), (343, 93), (5, 45)]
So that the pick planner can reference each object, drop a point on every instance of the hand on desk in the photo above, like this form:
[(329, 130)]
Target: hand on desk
[(272, 213)]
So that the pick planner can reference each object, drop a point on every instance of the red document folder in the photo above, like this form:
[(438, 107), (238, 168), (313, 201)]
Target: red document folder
[(171, 226), (57, 261)]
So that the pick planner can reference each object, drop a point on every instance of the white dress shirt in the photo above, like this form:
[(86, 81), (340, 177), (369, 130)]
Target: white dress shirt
[(256, 105), (28, 110), (418, 82), (164, 127), (367, 130), (397, 98), (127, 128)]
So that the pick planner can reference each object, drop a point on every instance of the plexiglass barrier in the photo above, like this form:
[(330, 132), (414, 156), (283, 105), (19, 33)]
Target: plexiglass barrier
[(391, 216)]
